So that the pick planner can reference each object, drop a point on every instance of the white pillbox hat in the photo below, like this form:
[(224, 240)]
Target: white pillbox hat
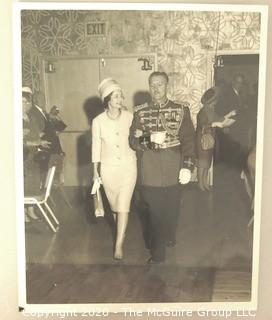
[(107, 86), (26, 90)]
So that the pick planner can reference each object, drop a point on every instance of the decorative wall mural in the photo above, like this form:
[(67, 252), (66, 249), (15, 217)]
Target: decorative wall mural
[(182, 41)]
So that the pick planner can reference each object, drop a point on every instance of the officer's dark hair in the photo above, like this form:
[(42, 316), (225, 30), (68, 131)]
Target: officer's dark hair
[(158, 73), (106, 101)]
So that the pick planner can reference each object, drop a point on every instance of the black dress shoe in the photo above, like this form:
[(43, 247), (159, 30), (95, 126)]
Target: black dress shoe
[(152, 261), (170, 243)]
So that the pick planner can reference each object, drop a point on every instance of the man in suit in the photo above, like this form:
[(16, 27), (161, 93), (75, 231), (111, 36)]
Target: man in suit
[(39, 121), (163, 135), (55, 126), (229, 159), (233, 142), (37, 113)]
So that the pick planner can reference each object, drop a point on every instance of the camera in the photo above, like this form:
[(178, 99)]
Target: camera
[(54, 111)]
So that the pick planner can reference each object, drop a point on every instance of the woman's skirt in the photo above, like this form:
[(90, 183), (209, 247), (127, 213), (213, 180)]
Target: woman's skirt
[(119, 182)]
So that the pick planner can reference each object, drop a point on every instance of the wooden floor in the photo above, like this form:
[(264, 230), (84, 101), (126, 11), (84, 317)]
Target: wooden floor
[(64, 283), (232, 285), (211, 261)]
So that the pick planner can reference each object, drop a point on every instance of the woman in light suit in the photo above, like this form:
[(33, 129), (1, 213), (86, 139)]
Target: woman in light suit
[(112, 157)]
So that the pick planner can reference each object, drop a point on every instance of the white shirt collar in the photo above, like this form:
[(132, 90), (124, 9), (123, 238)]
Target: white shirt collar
[(41, 110)]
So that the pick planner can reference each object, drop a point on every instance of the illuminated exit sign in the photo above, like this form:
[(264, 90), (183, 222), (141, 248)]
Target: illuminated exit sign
[(96, 29)]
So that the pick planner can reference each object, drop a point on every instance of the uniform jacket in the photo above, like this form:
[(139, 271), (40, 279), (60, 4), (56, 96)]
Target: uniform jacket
[(110, 139), (160, 167)]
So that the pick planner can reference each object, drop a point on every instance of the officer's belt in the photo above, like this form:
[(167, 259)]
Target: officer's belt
[(166, 145)]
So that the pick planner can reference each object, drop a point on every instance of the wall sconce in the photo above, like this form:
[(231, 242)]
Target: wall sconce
[(50, 67), (218, 62), (148, 63)]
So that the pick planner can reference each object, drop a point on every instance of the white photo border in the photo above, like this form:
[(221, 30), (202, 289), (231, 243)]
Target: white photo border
[(71, 309)]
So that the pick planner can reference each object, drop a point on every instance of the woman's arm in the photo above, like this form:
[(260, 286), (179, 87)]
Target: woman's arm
[(96, 148), (96, 174), (36, 143)]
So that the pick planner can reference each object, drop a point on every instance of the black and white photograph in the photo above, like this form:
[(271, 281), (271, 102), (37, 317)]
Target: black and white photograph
[(139, 132)]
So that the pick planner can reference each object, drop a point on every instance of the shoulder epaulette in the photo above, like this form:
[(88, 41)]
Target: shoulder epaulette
[(140, 107), (182, 103)]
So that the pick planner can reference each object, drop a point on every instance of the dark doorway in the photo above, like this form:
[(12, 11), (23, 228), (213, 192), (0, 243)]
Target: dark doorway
[(246, 64)]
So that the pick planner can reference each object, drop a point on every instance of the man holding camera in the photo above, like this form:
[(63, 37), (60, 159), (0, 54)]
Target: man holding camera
[(55, 126), (47, 126), (163, 134)]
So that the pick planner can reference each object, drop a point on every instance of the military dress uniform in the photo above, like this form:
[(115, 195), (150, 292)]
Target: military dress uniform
[(159, 165)]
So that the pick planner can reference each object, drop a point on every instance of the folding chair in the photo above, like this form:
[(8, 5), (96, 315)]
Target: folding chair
[(58, 161), (41, 200)]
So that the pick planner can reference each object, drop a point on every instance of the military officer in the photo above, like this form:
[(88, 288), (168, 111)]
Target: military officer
[(163, 135)]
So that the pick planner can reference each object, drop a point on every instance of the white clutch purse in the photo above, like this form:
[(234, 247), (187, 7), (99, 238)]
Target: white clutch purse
[(98, 202)]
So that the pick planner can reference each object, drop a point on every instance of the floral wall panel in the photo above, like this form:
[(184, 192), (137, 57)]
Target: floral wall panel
[(182, 41)]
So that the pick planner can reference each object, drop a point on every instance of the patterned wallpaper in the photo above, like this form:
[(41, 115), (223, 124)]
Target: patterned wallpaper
[(181, 39)]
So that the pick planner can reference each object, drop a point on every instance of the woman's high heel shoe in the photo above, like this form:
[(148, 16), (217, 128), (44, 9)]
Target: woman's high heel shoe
[(118, 254)]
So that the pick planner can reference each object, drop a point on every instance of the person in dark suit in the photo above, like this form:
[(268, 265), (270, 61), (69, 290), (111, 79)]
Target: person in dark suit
[(31, 143), (233, 142), (37, 113), (226, 145), (39, 121), (54, 127)]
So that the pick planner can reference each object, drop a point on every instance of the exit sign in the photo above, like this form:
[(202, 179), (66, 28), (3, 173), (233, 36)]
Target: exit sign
[(96, 29)]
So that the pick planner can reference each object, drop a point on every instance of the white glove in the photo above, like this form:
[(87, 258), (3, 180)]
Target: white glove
[(184, 176), (158, 137)]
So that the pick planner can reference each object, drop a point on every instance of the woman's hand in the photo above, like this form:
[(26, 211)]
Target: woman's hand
[(227, 122), (231, 114), (96, 175)]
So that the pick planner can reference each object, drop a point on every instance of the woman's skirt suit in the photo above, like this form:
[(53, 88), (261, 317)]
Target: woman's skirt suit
[(110, 147)]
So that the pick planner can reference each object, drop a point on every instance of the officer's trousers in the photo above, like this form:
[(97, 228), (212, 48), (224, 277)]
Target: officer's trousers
[(163, 206)]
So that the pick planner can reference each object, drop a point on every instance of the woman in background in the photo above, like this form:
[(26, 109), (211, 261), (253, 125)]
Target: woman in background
[(112, 157), (207, 122)]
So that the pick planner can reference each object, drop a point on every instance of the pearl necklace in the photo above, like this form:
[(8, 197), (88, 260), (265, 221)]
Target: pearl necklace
[(108, 114)]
